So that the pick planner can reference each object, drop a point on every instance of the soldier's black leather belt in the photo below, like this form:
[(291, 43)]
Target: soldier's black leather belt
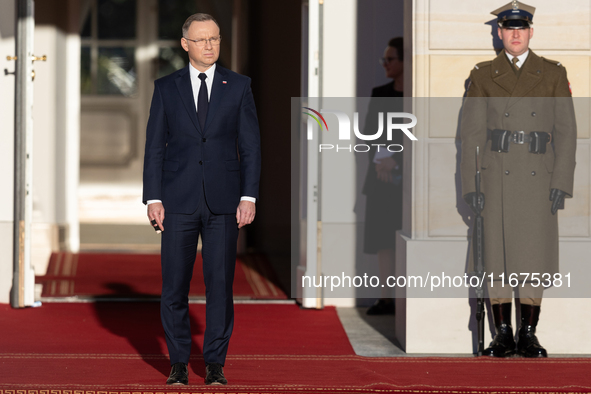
[(501, 139)]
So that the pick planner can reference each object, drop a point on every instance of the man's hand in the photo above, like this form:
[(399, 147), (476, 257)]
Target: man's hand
[(245, 213), (156, 212), (384, 168), (557, 198)]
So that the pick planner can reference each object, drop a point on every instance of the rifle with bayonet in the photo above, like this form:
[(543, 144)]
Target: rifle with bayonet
[(478, 249)]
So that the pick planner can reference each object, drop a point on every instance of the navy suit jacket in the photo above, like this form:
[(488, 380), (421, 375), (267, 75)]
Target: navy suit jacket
[(182, 162)]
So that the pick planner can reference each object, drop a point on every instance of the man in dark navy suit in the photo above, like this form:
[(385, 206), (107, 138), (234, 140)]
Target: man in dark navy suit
[(202, 166)]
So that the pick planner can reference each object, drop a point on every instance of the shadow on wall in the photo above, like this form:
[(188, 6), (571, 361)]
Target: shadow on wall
[(497, 43)]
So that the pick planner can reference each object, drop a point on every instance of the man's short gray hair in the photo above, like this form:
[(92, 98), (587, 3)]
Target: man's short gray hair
[(197, 18)]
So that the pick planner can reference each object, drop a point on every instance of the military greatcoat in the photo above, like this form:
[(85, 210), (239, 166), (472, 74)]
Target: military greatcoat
[(521, 234)]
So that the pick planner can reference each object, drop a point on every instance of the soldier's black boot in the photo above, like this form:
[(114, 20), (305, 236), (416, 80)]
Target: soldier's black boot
[(503, 344), (528, 345)]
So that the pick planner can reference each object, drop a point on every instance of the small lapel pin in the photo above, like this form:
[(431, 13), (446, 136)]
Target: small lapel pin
[(224, 82)]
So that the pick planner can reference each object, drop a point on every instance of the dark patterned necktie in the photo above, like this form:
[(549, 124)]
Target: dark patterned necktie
[(202, 102), (515, 60)]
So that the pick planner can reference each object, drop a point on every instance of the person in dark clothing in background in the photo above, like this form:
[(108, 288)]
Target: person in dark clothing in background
[(383, 183)]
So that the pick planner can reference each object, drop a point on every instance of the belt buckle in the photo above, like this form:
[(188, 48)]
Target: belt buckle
[(518, 137)]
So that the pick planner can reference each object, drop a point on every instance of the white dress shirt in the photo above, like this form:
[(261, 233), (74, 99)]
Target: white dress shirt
[(196, 82), (196, 85), (520, 59)]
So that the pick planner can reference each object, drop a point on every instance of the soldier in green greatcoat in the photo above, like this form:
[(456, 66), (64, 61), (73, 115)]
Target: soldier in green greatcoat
[(518, 110)]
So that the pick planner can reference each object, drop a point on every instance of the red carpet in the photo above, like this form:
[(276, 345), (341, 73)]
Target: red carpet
[(117, 348), (136, 275)]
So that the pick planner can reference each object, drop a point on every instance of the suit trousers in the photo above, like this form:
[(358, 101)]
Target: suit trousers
[(219, 235)]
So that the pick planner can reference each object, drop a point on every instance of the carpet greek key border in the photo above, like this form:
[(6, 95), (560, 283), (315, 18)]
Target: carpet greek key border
[(291, 389)]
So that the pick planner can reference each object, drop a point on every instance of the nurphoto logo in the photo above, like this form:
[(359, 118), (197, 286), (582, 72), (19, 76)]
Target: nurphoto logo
[(344, 131)]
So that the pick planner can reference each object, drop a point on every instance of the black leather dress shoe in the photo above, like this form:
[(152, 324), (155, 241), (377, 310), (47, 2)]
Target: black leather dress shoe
[(179, 375), (383, 306), (215, 374), (528, 344), (503, 344)]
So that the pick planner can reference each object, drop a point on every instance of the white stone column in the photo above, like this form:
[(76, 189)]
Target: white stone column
[(48, 104), (56, 140), (339, 78)]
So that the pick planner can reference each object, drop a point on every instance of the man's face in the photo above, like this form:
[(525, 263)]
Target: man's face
[(204, 55), (516, 41), (392, 65)]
